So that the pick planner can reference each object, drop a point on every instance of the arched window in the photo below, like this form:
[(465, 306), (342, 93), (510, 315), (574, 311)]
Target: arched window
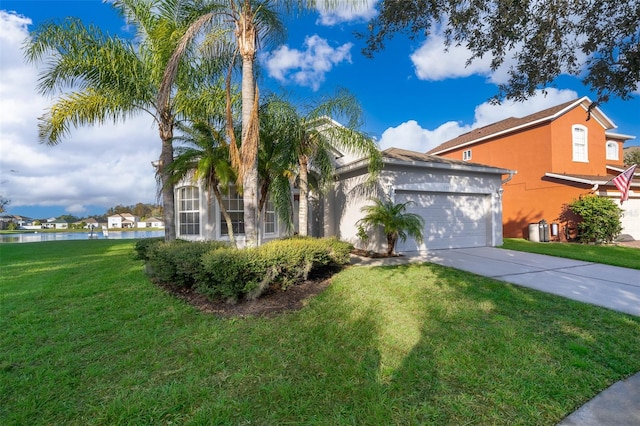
[(189, 210), (612, 151), (580, 143)]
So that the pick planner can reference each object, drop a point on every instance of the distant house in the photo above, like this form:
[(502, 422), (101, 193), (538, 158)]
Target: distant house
[(91, 223), (122, 220), (56, 223), (19, 221), (560, 154), (151, 222)]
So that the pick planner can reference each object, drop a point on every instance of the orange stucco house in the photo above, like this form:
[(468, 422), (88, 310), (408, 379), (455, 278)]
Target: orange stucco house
[(559, 154)]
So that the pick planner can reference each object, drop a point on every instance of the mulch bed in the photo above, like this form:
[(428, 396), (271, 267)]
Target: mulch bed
[(271, 303)]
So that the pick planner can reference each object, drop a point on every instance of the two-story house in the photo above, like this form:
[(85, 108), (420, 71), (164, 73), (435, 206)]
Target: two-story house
[(560, 154), (123, 220)]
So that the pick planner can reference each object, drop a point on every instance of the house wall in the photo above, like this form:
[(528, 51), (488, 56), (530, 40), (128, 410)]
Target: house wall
[(531, 197), (343, 206)]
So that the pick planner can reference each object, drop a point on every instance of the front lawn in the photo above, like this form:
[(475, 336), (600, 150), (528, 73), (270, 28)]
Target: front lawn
[(626, 257), (87, 339)]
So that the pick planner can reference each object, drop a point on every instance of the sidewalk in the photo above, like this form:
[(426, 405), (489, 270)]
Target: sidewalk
[(602, 285)]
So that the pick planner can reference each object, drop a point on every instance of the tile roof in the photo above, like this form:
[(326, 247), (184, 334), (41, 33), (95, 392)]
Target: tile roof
[(406, 155), (502, 126)]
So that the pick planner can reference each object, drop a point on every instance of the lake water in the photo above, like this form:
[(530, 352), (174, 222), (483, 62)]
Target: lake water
[(36, 237)]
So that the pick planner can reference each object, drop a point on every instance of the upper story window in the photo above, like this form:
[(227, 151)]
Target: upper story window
[(466, 155), (612, 151), (234, 204), (189, 210), (580, 143)]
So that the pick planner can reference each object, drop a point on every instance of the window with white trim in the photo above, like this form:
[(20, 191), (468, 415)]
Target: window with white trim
[(269, 218), (189, 210), (580, 143), (466, 155), (234, 204), (612, 151)]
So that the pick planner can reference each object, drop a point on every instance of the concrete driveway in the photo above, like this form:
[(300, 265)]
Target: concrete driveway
[(603, 285)]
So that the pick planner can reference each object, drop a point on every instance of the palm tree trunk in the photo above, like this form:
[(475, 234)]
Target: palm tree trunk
[(246, 37), (168, 196), (391, 243), (225, 214), (303, 211)]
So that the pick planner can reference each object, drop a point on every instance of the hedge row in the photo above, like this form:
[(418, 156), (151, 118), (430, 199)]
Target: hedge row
[(222, 272)]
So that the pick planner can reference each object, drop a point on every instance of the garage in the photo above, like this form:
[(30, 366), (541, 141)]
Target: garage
[(461, 202), (451, 220)]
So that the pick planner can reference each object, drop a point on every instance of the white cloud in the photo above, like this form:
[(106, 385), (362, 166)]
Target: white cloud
[(306, 67), (434, 62), (95, 166), (347, 12), (410, 135)]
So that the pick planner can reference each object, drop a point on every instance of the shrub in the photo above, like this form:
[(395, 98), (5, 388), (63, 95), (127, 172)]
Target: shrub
[(230, 273), (179, 262), (234, 274), (143, 246), (600, 219)]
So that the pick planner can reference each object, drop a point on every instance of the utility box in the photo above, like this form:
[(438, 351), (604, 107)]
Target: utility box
[(534, 232), (543, 227)]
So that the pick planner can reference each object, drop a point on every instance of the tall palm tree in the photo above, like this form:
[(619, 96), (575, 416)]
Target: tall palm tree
[(396, 223), (319, 137), (112, 79), (248, 24), (204, 156)]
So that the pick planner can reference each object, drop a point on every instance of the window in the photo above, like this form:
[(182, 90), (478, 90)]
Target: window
[(269, 220), (580, 146), (234, 205), (612, 151), (466, 155), (189, 210)]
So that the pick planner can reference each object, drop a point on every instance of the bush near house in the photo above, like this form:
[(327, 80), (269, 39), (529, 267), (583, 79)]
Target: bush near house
[(220, 271), (600, 219)]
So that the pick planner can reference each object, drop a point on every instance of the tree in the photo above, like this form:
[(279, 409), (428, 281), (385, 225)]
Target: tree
[(598, 40), (312, 138), (276, 157), (247, 24), (4, 202), (100, 78), (396, 223), (205, 158), (632, 157), (600, 219)]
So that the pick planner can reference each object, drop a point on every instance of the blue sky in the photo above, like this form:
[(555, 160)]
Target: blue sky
[(413, 94)]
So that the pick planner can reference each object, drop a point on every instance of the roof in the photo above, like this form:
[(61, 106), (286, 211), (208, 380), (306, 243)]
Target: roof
[(412, 158), (591, 179), (513, 124)]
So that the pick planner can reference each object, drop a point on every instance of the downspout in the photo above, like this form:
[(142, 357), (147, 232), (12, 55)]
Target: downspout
[(509, 178)]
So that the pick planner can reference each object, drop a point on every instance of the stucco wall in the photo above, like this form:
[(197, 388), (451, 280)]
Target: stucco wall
[(350, 195)]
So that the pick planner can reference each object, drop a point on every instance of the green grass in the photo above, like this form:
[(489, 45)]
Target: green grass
[(86, 339), (627, 257)]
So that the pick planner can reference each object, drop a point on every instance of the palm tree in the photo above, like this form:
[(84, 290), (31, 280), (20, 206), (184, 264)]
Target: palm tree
[(396, 223), (318, 138), (247, 24), (279, 128), (112, 79), (204, 156)]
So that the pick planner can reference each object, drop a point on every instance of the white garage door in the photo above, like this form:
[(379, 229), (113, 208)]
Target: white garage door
[(451, 220), (631, 217)]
